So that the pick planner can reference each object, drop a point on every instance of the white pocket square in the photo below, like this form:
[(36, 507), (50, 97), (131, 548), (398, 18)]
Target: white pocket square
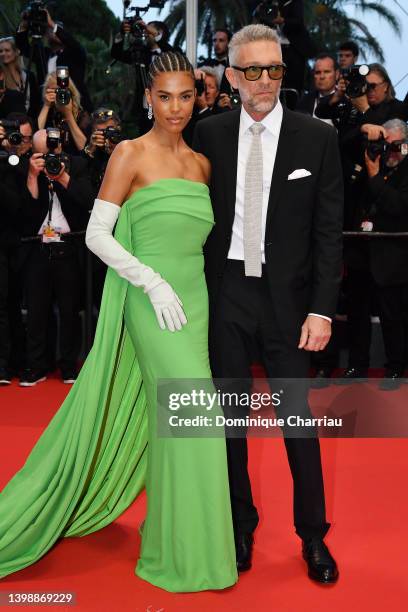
[(297, 174)]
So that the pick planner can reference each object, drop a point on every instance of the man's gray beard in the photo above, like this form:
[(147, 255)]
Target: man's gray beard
[(262, 107)]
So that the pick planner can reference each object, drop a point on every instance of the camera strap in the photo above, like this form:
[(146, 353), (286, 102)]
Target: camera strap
[(51, 192)]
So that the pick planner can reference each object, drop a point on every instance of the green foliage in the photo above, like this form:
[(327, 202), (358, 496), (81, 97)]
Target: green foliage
[(328, 21), (89, 18)]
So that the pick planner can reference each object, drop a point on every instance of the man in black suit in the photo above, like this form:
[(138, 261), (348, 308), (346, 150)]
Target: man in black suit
[(325, 75), (51, 262), (277, 285), (382, 262)]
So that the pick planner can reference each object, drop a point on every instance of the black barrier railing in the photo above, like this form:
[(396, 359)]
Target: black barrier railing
[(88, 322), (375, 234)]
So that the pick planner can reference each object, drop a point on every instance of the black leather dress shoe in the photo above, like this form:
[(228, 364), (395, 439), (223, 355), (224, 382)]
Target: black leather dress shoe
[(321, 565), (350, 375), (391, 381), (243, 547), (321, 378)]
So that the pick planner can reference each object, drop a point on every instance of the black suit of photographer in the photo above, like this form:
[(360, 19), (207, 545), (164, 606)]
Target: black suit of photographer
[(53, 269), (12, 205), (383, 262), (352, 142), (72, 55)]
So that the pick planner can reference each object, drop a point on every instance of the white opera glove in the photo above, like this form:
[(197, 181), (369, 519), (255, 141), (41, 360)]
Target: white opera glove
[(99, 239)]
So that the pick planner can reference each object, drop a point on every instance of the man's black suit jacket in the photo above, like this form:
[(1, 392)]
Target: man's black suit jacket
[(303, 238), (76, 200), (387, 257)]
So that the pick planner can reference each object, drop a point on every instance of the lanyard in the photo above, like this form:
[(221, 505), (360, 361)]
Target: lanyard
[(50, 200)]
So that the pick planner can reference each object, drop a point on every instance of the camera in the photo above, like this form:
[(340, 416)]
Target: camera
[(356, 80), (62, 93), (381, 147), (54, 161), (200, 86), (113, 134), (12, 129), (267, 11), (36, 16)]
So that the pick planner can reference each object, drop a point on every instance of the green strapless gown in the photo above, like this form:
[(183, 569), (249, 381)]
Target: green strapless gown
[(101, 447)]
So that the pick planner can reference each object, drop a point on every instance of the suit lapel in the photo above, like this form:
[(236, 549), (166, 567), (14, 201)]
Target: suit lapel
[(230, 153), (283, 161)]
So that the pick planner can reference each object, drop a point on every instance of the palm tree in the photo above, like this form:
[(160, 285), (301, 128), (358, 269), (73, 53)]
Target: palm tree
[(328, 21)]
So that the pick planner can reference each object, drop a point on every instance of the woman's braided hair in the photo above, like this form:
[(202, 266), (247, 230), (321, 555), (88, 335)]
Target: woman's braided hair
[(169, 62)]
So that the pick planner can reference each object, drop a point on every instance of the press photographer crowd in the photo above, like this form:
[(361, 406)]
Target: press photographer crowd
[(55, 146)]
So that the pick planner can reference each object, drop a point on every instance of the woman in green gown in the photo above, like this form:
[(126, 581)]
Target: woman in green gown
[(101, 448)]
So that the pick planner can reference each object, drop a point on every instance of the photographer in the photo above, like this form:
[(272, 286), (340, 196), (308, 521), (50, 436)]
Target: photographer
[(138, 42), (205, 101), (106, 134), (386, 210), (60, 196), (362, 100), (376, 267), (287, 18), (62, 50), (62, 109), (12, 204), (361, 103)]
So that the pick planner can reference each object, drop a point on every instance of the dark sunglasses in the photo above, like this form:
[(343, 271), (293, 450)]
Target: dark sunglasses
[(253, 73), (108, 114), (372, 86)]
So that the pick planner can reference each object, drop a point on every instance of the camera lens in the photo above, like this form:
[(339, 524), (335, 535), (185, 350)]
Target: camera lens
[(15, 138), (53, 164)]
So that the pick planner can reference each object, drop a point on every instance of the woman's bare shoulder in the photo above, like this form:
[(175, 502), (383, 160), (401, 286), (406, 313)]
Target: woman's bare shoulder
[(204, 164)]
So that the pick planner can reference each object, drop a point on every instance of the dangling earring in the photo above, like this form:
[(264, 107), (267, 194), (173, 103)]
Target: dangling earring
[(150, 112)]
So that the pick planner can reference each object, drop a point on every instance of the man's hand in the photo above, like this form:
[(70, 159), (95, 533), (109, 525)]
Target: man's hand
[(2, 134), (224, 101), (360, 103), (315, 334), (340, 92), (36, 165), (373, 132), (62, 178), (373, 167), (50, 22), (97, 140)]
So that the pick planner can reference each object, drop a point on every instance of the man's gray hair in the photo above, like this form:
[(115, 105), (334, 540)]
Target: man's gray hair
[(211, 72), (248, 34), (397, 124)]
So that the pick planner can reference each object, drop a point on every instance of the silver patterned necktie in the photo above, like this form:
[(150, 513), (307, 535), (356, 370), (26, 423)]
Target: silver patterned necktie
[(253, 204)]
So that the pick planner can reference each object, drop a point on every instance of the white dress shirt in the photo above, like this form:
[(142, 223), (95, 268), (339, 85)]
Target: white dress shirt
[(317, 100), (58, 219), (269, 140)]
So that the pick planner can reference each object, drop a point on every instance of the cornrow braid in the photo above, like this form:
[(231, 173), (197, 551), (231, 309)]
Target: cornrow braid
[(169, 62)]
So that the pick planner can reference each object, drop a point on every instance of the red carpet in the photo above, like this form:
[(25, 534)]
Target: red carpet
[(366, 504)]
